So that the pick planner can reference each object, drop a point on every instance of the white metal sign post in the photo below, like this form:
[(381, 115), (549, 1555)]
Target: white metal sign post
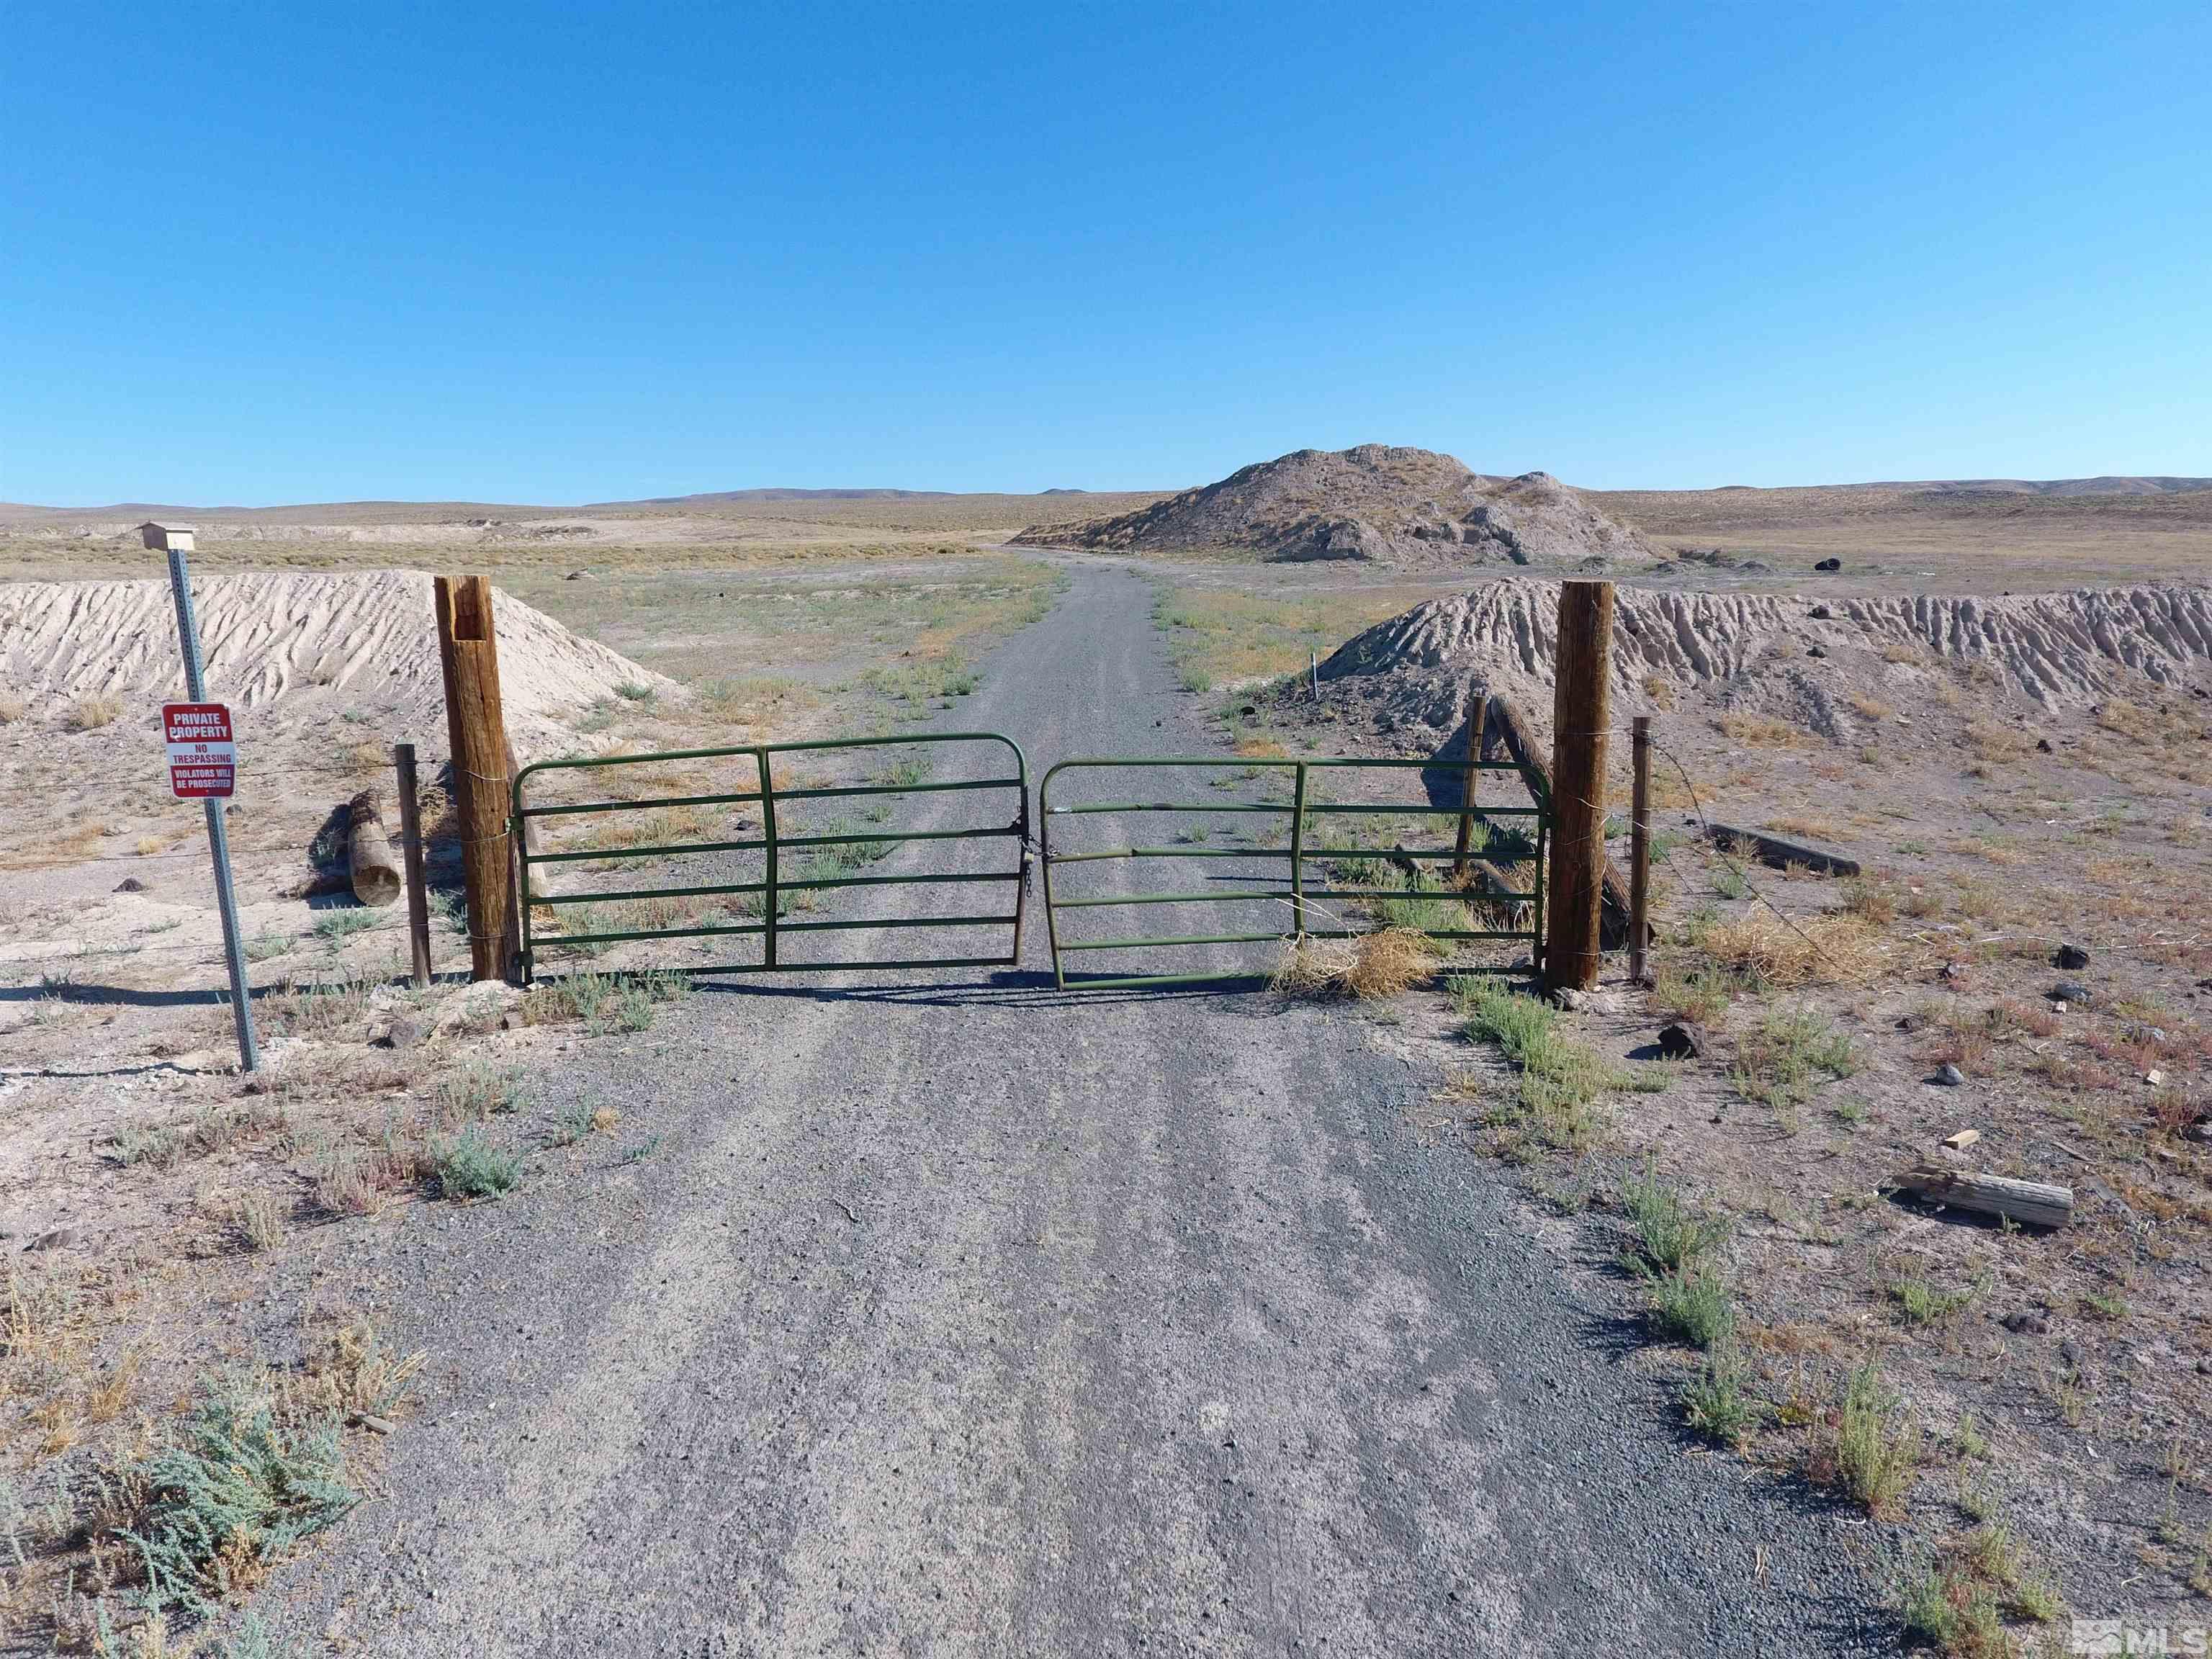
[(204, 766)]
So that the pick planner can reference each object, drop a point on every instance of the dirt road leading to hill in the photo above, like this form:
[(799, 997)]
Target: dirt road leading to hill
[(950, 1319)]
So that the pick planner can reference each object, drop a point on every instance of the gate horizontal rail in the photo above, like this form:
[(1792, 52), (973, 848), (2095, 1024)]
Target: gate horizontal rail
[(775, 884), (1292, 889)]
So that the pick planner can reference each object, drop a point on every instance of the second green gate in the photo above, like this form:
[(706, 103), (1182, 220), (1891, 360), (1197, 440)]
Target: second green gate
[(1290, 860)]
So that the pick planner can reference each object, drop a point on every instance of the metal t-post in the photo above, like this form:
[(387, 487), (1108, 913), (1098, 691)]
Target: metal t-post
[(226, 900)]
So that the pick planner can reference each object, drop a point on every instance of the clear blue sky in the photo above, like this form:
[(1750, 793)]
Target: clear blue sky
[(267, 254)]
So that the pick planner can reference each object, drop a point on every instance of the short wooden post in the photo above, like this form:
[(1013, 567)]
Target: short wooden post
[(1478, 722), (1639, 851), (468, 652), (1580, 706), (410, 859)]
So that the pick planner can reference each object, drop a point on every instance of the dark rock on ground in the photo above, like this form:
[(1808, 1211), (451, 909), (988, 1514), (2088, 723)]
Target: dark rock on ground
[(2067, 990), (130, 884), (1948, 1075), (1829, 564), (1684, 1040), (2070, 956), (404, 1030)]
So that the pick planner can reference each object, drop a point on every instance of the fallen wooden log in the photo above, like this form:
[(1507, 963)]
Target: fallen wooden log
[(2035, 1203), (1504, 730), (374, 867), (1772, 849)]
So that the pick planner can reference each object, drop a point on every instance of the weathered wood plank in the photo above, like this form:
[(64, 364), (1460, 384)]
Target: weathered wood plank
[(1774, 850), (2036, 1203)]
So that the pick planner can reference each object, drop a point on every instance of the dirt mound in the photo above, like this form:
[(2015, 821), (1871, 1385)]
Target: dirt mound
[(364, 637), (1838, 666), (1375, 502)]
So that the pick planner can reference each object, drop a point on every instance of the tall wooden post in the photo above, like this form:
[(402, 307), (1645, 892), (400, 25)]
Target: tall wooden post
[(411, 860), (1478, 721), (1580, 706), (1639, 851), (468, 651)]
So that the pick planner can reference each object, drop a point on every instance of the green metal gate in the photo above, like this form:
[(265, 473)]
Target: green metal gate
[(766, 865), (1274, 874)]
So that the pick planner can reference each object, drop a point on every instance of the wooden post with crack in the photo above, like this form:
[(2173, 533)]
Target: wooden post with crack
[(1581, 707), (1639, 855), (468, 653)]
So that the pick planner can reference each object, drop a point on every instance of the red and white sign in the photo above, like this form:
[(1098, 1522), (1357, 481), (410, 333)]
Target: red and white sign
[(202, 759)]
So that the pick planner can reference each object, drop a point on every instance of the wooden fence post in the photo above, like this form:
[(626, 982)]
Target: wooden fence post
[(410, 860), (1639, 851), (1478, 720), (1580, 706), (468, 652)]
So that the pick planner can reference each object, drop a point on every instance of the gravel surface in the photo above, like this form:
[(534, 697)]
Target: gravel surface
[(954, 1318)]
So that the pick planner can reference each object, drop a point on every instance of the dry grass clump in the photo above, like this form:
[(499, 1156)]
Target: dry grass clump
[(88, 713), (1761, 732), (1759, 946), (1994, 745), (1374, 966)]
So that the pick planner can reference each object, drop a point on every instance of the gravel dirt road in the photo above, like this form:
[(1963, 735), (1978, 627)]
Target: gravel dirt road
[(951, 1318)]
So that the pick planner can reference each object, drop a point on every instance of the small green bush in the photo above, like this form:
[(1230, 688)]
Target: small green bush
[(1692, 1306), (478, 1090), (238, 1486), (468, 1166), (1877, 1444), (1562, 1082), (1715, 1402), (1668, 1236), (335, 927)]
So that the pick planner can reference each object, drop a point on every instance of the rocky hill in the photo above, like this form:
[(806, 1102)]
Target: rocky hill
[(1389, 505)]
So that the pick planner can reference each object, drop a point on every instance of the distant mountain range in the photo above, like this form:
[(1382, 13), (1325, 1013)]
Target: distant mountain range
[(14, 511), (2103, 486)]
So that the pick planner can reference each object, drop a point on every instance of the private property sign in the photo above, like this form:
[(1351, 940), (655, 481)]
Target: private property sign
[(202, 759)]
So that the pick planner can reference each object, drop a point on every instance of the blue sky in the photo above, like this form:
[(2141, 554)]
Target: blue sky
[(501, 253)]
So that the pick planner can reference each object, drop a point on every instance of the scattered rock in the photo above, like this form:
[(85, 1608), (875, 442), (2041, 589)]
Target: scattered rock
[(1820, 613), (2043, 746), (54, 1239), (1911, 1023), (2200, 1131), (1586, 1002), (404, 1030), (1952, 970), (1948, 1075), (2068, 990), (1815, 650), (1829, 564), (475, 1009), (130, 884), (1684, 1040), (578, 576), (2027, 1322), (2070, 956)]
